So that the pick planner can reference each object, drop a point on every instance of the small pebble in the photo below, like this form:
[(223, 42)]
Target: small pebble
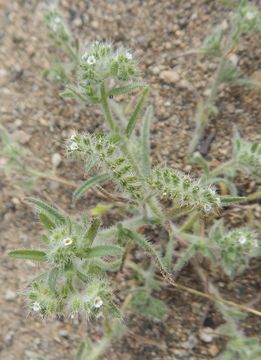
[(10, 295), (170, 76), (56, 160)]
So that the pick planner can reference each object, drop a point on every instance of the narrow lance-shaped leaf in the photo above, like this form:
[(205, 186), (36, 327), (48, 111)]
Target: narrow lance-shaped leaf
[(28, 254), (145, 245), (103, 250), (52, 278), (126, 89), (228, 200), (90, 164), (53, 214), (91, 233), (84, 349), (46, 221), (108, 266), (189, 253), (145, 141), (134, 117), (93, 181)]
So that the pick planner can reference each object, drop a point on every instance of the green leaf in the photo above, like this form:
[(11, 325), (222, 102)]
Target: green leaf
[(28, 254), (108, 266), (248, 82), (145, 245), (85, 348), (91, 233), (45, 239), (134, 117), (93, 181), (90, 164), (126, 89), (227, 200), (145, 304), (182, 261), (103, 250), (53, 214), (45, 220), (52, 278), (145, 141)]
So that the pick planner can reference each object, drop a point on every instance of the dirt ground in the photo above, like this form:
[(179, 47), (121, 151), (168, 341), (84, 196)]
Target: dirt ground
[(32, 110)]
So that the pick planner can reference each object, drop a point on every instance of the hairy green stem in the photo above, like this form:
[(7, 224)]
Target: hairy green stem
[(106, 108)]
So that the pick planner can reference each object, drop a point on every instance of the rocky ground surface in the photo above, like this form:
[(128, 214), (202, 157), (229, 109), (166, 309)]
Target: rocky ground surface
[(32, 110)]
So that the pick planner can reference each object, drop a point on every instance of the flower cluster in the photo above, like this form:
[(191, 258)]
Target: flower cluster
[(107, 151), (92, 300), (213, 42), (185, 191), (247, 155), (236, 248), (56, 27), (250, 19), (71, 297), (101, 61)]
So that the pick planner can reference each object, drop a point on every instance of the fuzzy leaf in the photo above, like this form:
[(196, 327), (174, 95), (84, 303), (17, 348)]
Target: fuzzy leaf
[(145, 304), (134, 117), (103, 250), (52, 278), (227, 200), (92, 232), (145, 245), (45, 220), (145, 141), (90, 164), (182, 261), (93, 181), (126, 89), (53, 214), (28, 254)]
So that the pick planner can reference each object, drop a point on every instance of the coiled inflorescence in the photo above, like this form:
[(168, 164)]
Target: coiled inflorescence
[(236, 248), (101, 62), (56, 27), (107, 151), (181, 188), (91, 300)]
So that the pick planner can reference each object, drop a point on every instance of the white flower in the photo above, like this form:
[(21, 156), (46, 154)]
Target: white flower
[(73, 146), (36, 306), (242, 240), (97, 303), (207, 208), (67, 241), (57, 20), (129, 55), (91, 60), (250, 15), (212, 191)]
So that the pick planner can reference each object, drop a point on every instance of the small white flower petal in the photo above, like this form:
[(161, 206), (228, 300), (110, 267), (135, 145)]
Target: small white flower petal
[(97, 302), (36, 306), (242, 240), (250, 15), (91, 60), (129, 55), (73, 146), (67, 241)]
